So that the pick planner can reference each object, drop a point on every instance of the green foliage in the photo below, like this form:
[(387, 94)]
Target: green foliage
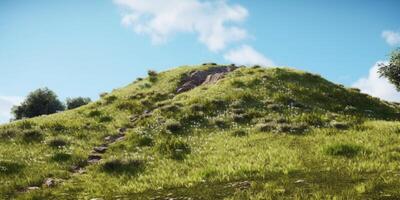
[(192, 144), (39, 102), (57, 143), (346, 150), (175, 148), (61, 157), (391, 70), (32, 135), (117, 166), (152, 75), (239, 133), (173, 126), (77, 102), (9, 167)]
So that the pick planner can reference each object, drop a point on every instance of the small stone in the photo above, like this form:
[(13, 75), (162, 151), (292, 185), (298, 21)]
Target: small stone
[(101, 149), (50, 182), (300, 181), (122, 130), (94, 158), (33, 188)]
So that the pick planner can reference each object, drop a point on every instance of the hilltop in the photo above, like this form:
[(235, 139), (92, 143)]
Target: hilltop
[(210, 132)]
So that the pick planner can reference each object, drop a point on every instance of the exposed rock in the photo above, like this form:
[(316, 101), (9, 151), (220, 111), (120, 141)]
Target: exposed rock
[(197, 78), (122, 130), (100, 149), (50, 182), (94, 158), (33, 188)]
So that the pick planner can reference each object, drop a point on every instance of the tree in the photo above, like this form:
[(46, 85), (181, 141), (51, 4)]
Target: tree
[(39, 102), (391, 70), (77, 102)]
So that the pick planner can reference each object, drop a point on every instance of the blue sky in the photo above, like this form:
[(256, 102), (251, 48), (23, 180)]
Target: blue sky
[(83, 48)]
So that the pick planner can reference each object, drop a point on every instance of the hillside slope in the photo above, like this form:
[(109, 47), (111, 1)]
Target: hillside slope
[(247, 133)]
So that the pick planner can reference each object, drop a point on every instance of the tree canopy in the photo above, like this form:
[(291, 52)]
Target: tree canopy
[(42, 101), (391, 70)]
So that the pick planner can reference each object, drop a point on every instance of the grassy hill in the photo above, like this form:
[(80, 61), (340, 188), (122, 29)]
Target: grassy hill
[(257, 133)]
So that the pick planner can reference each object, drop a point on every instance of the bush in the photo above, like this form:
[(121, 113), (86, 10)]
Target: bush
[(130, 167), (242, 118), (292, 128), (32, 135), (239, 133), (145, 141), (152, 75), (103, 94), (346, 150), (57, 143), (339, 125), (266, 127), (77, 102), (8, 133), (95, 113), (61, 157), (175, 148), (173, 126), (105, 118), (39, 102), (9, 167), (221, 123), (110, 99)]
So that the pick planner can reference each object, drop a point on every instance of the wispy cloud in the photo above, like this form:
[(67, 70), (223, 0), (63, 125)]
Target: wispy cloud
[(217, 23), (246, 55), (377, 86), (391, 37), (6, 103)]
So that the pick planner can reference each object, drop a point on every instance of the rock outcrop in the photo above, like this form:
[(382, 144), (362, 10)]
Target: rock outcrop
[(209, 76)]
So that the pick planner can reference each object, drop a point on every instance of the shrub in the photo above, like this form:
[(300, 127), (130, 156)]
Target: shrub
[(8, 133), (57, 143), (39, 102), (197, 107), (145, 141), (313, 120), (94, 113), (242, 118), (129, 167), (173, 126), (10, 167), (54, 126), (339, 125), (77, 102), (152, 75), (105, 118), (274, 107), (61, 157), (103, 94), (127, 105), (292, 128), (33, 135), (110, 99), (346, 150), (266, 127), (239, 133), (175, 148), (221, 123), (25, 124)]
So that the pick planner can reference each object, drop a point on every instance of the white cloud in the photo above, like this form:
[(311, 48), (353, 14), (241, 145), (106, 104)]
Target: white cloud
[(391, 37), (6, 103), (215, 22), (246, 55), (377, 86)]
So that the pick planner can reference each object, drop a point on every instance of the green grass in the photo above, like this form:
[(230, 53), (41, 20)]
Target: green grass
[(258, 133)]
